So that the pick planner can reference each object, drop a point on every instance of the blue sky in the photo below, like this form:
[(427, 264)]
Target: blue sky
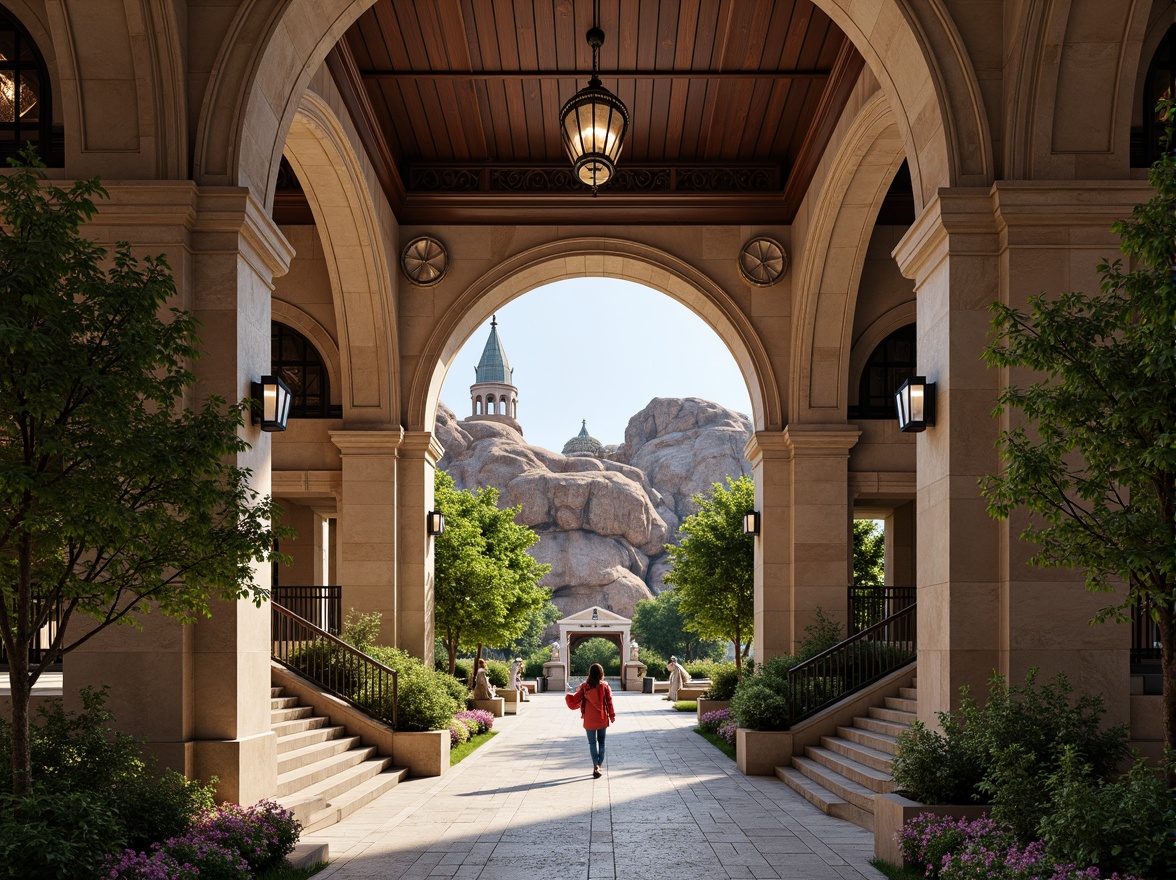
[(599, 349)]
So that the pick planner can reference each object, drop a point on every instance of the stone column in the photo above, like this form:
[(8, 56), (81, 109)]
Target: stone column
[(199, 694), (367, 537), (900, 546), (951, 254), (822, 522), (769, 455), (419, 454)]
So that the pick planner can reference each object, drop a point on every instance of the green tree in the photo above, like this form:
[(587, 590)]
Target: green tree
[(869, 553), (531, 638), (658, 625), (486, 585), (115, 497), (714, 566), (1094, 463)]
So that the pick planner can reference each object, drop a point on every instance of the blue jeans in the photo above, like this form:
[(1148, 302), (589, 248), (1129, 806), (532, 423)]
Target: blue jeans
[(596, 745)]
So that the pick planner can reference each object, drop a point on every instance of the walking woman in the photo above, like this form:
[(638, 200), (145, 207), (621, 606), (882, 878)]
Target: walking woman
[(594, 700)]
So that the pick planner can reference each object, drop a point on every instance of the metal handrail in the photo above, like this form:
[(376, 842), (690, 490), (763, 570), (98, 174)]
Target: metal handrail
[(869, 604), (852, 665), (321, 605), (43, 637), (335, 666)]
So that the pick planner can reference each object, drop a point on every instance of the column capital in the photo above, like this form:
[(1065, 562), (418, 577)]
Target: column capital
[(962, 218), (368, 442), (815, 439), (422, 444), (767, 445)]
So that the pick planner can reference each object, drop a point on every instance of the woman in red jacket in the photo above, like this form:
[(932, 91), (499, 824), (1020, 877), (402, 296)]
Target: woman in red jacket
[(594, 700)]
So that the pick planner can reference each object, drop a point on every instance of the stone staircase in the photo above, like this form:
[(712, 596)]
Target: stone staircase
[(843, 773), (324, 774)]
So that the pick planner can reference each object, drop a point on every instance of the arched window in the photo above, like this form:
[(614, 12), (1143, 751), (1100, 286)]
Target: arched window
[(478, 405), (301, 367), (26, 113), (890, 364), (1161, 76)]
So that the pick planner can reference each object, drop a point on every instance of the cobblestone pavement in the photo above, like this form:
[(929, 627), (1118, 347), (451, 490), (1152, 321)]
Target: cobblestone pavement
[(670, 806)]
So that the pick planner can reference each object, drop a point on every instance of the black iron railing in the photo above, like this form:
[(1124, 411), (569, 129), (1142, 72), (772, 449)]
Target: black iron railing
[(42, 639), (1145, 634), (322, 606), (855, 663), (868, 605), (334, 665)]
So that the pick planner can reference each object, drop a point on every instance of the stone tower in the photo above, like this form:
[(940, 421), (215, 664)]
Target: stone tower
[(583, 444), (493, 396)]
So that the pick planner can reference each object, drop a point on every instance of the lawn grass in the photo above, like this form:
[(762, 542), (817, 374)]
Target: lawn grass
[(718, 742), (286, 871), (457, 753), (896, 873), (686, 706)]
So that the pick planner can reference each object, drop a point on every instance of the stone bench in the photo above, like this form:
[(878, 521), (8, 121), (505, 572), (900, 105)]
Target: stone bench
[(694, 690), (512, 705), (496, 706)]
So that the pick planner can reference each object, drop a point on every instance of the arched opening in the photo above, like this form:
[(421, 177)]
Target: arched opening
[(586, 650), (301, 366), (26, 99), (890, 364)]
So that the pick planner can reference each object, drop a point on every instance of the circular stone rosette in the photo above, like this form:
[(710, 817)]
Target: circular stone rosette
[(424, 261), (762, 261)]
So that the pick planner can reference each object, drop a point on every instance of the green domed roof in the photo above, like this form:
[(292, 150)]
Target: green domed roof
[(583, 443), (493, 367)]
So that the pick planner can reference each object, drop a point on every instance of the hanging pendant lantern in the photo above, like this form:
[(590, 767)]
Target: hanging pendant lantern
[(593, 124)]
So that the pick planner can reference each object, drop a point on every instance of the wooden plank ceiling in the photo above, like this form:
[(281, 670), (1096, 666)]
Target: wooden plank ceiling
[(731, 103)]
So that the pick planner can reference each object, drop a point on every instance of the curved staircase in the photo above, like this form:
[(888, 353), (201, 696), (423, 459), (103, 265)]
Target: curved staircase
[(324, 773), (842, 775)]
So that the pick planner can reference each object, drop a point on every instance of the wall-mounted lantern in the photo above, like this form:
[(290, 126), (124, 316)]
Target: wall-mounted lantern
[(751, 522), (271, 403), (915, 399), (434, 522)]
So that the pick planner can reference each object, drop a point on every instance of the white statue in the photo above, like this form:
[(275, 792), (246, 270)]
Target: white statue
[(555, 652)]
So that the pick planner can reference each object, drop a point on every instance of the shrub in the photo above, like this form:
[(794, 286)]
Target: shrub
[(425, 700), (533, 667), (361, 630), (498, 672), (596, 650), (480, 717), (759, 707), (1122, 825), (723, 682), (703, 668), (463, 671), (819, 636), (212, 860), (455, 688), (777, 668), (56, 832), (655, 664), (262, 835), (727, 730), (1005, 750), (458, 733)]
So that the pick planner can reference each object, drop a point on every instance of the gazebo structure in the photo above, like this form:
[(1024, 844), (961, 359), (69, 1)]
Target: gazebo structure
[(593, 623)]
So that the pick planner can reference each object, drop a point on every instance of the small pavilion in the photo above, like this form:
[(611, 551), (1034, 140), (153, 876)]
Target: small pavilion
[(593, 623)]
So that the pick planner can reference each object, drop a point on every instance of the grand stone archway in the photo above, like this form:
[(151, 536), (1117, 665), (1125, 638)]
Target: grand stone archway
[(593, 623)]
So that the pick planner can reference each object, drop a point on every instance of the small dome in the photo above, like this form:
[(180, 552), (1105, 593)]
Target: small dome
[(583, 443)]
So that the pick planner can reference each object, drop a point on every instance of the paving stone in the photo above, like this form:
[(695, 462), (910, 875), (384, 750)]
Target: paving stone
[(523, 807)]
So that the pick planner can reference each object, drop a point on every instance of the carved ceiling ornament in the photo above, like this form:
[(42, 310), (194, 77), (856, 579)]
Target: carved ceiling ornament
[(424, 261), (763, 261)]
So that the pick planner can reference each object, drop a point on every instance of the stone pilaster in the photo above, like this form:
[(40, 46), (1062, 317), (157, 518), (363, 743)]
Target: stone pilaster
[(368, 538), (769, 455), (419, 455)]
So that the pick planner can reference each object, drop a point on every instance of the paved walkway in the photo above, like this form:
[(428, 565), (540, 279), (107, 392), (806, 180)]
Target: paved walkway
[(670, 806)]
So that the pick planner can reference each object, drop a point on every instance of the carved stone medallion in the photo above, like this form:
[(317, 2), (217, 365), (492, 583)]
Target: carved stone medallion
[(424, 261), (762, 261)]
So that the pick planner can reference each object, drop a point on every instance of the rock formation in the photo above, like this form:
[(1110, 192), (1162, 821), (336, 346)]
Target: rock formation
[(603, 522)]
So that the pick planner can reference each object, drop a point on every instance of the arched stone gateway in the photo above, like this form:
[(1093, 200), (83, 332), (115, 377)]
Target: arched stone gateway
[(593, 623), (1016, 129)]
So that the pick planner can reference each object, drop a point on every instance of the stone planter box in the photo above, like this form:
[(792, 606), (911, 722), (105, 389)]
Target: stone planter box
[(424, 753), (893, 811), (760, 752), (705, 705)]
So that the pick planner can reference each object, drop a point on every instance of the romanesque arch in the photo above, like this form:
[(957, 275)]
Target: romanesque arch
[(826, 283), (602, 257), (332, 176), (298, 319)]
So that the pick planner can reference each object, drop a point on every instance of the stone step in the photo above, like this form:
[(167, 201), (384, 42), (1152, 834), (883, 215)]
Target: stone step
[(823, 799), (880, 725), (290, 714), (285, 728), (276, 691), (874, 758), (292, 759), (882, 742), (910, 693), (301, 739), (845, 788), (320, 795), (282, 703), (902, 704), (326, 769), (877, 781), (895, 715), (348, 802)]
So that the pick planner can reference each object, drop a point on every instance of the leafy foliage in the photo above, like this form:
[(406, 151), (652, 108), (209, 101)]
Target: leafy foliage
[(820, 635), (1004, 751), (486, 584), (1090, 451), (723, 681), (869, 553), (602, 651), (760, 706), (714, 566), (658, 624), (115, 497)]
